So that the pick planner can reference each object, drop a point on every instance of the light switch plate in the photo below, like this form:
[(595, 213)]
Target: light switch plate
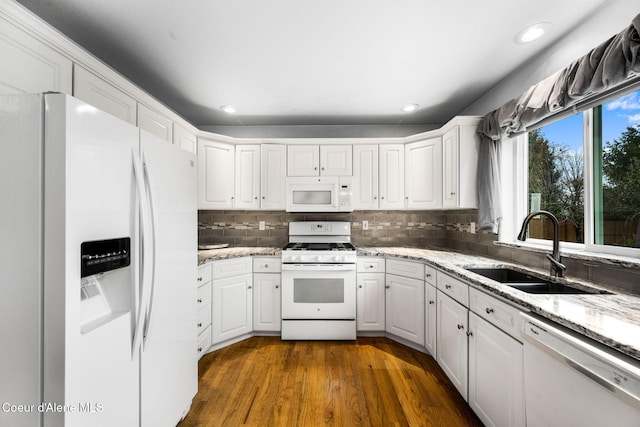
[(262, 225), (365, 225), (472, 228)]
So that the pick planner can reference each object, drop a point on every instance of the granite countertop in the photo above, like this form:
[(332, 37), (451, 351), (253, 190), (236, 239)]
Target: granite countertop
[(611, 319)]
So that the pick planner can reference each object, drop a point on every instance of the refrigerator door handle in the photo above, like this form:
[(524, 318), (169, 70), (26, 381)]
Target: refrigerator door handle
[(144, 276), (150, 296)]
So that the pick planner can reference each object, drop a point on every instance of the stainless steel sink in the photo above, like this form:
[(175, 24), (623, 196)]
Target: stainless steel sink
[(529, 283)]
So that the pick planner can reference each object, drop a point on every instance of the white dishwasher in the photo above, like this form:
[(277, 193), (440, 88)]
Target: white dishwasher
[(570, 382)]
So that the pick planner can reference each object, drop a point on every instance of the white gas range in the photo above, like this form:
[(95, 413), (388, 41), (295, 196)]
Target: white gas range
[(319, 282)]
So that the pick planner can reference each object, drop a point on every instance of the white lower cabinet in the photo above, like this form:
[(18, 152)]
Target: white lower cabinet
[(370, 302), (430, 319), (232, 299), (267, 279), (495, 375), (453, 347), (404, 303)]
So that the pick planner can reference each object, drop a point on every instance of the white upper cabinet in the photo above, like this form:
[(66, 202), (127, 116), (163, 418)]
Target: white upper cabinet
[(391, 169), (216, 172), (273, 174), (316, 160), (336, 160), (97, 92), (460, 147), (30, 66), (423, 174), (365, 176), (184, 139), (247, 194), (155, 123)]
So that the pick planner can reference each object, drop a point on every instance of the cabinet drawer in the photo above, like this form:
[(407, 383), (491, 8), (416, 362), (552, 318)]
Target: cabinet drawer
[(267, 265), (370, 265), (204, 295), (430, 275), (204, 274), (456, 289), (204, 318), (204, 342), (231, 267), (497, 312), (413, 270)]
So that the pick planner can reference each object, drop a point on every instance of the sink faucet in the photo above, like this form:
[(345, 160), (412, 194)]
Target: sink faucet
[(556, 266)]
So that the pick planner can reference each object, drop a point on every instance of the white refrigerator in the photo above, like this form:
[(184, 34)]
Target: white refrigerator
[(98, 262)]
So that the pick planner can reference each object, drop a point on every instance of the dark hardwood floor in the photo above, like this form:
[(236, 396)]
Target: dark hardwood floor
[(264, 381)]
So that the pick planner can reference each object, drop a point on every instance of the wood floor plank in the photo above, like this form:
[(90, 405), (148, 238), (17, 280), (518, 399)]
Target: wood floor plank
[(264, 381)]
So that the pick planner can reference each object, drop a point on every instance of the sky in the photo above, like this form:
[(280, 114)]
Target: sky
[(617, 115)]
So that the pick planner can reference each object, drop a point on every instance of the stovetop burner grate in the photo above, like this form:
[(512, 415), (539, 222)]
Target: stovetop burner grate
[(315, 246)]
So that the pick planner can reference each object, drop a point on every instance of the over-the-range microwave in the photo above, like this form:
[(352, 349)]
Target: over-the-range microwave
[(319, 194)]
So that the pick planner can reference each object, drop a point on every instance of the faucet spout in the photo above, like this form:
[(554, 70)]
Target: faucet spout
[(557, 267)]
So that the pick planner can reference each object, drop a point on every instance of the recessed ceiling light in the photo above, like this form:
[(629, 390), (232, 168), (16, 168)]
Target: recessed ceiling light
[(409, 108), (228, 109), (532, 32)]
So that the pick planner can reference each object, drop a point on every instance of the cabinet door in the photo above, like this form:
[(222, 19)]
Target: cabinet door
[(97, 92), (184, 139), (423, 174), (496, 392), (247, 193), (232, 313), (30, 66), (215, 175), (370, 302), (405, 308), (273, 158), (452, 345), (430, 320), (336, 160), (155, 123), (451, 149), (391, 176), (303, 160), (266, 302), (365, 177)]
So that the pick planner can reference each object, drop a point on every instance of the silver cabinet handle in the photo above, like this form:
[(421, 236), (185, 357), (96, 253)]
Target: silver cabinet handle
[(315, 168), (277, 286), (200, 325), (428, 275), (387, 286), (460, 326), (255, 198), (199, 349), (360, 286), (431, 301), (447, 286), (199, 279), (375, 197), (453, 194), (249, 287), (489, 310), (266, 266), (469, 333), (323, 168), (199, 299)]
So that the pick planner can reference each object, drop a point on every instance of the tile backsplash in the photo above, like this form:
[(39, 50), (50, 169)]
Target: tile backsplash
[(386, 228)]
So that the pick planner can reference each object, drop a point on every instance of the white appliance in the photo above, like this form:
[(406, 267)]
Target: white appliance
[(572, 382), (319, 194), (98, 260), (319, 282)]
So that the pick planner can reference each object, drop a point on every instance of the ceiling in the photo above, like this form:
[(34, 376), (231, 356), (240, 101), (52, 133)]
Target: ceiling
[(312, 62)]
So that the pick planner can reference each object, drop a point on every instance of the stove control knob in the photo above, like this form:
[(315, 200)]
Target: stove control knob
[(293, 258), (318, 258)]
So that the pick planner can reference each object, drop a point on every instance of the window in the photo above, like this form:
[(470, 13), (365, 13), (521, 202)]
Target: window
[(596, 196)]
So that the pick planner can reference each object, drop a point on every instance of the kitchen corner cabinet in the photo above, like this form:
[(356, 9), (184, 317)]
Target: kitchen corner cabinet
[(404, 300), (267, 280), (247, 173), (460, 146), (365, 177), (391, 162), (184, 139), (232, 299), (370, 294), (452, 344), (30, 66), (203, 304), (423, 174), (319, 160), (155, 123), (216, 173), (430, 319), (273, 172), (102, 95)]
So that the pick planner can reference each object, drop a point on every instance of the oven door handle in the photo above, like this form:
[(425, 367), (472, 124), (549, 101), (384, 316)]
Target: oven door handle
[(318, 267)]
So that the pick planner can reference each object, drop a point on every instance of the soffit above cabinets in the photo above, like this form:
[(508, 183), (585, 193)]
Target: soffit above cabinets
[(287, 62)]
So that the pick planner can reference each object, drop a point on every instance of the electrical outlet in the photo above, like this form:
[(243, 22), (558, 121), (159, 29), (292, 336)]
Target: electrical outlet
[(262, 225), (472, 228), (365, 225)]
